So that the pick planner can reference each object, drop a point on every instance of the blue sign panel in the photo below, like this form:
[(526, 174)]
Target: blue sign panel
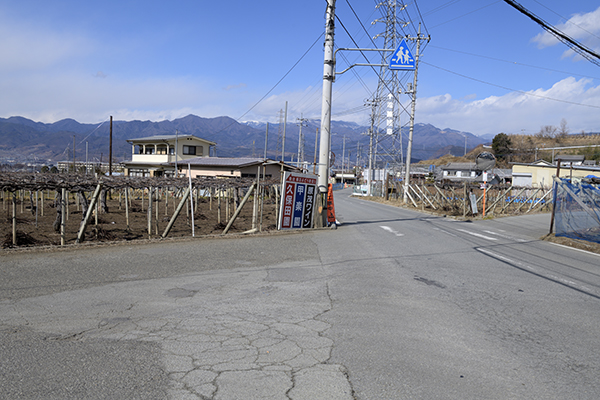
[(308, 206), (298, 206), (402, 58)]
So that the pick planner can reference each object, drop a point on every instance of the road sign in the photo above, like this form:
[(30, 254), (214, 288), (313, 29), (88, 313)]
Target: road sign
[(297, 201), (402, 58)]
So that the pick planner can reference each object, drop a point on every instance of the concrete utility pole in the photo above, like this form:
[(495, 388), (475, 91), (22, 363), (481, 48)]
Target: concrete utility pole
[(328, 75), (266, 141), (301, 123), (419, 38), (284, 128), (343, 156)]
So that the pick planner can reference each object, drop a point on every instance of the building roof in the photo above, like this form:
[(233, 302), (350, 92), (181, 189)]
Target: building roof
[(460, 166), (223, 161), (166, 138), (569, 158), (230, 162)]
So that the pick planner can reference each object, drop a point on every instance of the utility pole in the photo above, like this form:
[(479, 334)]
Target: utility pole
[(284, 127), (266, 141), (373, 105), (343, 157), (74, 170), (110, 150), (328, 75), (419, 38), (301, 123)]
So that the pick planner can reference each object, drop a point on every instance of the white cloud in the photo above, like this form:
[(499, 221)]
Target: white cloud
[(582, 27), (517, 111)]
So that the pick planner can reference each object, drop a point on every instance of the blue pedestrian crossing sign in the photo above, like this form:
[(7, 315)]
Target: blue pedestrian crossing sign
[(402, 58)]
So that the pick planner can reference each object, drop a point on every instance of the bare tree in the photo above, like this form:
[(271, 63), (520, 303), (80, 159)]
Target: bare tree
[(563, 130), (547, 132)]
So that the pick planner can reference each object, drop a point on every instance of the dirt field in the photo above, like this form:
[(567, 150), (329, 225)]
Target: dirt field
[(112, 226)]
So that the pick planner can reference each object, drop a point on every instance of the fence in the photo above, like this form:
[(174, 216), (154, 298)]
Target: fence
[(463, 199), (577, 213)]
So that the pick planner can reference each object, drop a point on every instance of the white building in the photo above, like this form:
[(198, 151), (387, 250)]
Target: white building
[(157, 155)]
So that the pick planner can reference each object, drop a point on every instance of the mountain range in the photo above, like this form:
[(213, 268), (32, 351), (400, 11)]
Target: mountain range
[(24, 140)]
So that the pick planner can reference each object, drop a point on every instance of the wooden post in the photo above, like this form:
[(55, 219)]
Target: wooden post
[(219, 206), (14, 218), (464, 199), (63, 216), (255, 205), (127, 207), (227, 204), (276, 188), (36, 208), (88, 214), (176, 213), (157, 196), (237, 212), (150, 211), (166, 201)]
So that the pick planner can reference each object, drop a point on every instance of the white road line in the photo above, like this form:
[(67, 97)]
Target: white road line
[(537, 271), (505, 236), (477, 234), (575, 248), (390, 230)]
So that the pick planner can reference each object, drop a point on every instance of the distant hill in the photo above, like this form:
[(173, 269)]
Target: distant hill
[(22, 139)]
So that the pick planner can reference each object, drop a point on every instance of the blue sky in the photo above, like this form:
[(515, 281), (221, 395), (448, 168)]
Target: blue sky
[(487, 68)]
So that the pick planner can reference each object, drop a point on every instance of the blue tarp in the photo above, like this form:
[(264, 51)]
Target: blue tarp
[(577, 212)]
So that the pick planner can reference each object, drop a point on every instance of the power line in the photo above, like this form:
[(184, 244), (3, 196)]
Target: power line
[(509, 89), (567, 20), (464, 15), (573, 44), (274, 86), (514, 62)]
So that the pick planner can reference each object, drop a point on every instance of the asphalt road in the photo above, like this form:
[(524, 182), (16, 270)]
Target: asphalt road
[(394, 304)]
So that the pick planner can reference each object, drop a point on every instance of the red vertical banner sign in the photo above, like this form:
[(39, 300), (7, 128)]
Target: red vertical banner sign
[(330, 205), (297, 202)]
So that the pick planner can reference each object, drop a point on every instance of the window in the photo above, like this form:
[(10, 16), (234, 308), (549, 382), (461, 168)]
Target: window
[(189, 150)]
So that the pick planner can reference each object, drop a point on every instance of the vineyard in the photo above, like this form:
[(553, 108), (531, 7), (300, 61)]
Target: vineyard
[(62, 209)]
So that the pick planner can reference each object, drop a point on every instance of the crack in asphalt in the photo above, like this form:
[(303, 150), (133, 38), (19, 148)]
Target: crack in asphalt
[(247, 338)]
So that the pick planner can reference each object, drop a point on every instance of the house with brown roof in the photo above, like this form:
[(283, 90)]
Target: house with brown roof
[(242, 167), (158, 155)]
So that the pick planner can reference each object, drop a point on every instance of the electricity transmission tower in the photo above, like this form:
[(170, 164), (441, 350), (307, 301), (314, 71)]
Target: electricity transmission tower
[(396, 90)]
